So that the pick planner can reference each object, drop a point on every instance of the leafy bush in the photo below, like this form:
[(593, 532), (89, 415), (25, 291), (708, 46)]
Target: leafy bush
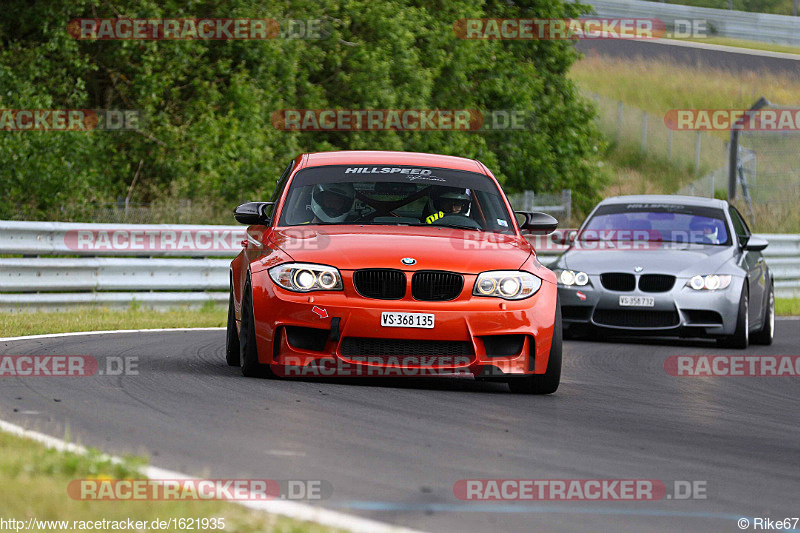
[(208, 135)]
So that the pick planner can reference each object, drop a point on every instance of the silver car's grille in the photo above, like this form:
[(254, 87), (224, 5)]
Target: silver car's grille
[(639, 318), (618, 281), (656, 283)]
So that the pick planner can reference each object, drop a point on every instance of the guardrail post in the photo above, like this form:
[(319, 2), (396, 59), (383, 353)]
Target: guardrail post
[(566, 203)]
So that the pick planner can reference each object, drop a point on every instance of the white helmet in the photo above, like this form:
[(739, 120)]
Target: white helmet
[(331, 202)]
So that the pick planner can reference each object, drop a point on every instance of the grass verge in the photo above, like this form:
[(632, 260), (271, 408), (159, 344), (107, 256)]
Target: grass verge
[(668, 162), (35, 479), (787, 306), (101, 319), (658, 86)]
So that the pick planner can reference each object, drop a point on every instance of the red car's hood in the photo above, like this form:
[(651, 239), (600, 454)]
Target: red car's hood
[(433, 248)]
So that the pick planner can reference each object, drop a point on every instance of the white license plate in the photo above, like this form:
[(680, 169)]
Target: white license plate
[(407, 320), (637, 301)]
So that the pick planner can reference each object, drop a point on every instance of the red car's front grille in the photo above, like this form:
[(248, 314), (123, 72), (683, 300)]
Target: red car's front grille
[(405, 348), (436, 286), (380, 283)]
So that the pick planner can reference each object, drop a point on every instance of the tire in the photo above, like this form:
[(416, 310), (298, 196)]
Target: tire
[(767, 332), (232, 356), (548, 382), (741, 336), (248, 349)]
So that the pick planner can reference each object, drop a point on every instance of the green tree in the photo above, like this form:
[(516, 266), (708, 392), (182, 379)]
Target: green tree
[(208, 104)]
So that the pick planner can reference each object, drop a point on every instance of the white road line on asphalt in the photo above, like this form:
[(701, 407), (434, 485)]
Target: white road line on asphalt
[(295, 510), (286, 453), (723, 48), (82, 333)]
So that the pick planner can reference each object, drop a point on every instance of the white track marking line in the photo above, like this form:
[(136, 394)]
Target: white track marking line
[(725, 48), (82, 333), (295, 510)]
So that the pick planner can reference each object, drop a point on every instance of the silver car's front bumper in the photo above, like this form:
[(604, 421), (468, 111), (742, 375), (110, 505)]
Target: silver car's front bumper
[(679, 311)]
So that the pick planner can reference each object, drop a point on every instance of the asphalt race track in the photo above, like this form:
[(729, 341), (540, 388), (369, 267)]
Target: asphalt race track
[(394, 449), (694, 55)]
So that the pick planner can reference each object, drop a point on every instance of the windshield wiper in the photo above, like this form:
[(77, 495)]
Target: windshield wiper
[(459, 226)]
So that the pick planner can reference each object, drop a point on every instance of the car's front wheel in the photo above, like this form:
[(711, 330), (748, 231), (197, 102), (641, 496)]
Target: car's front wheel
[(767, 331), (248, 349), (741, 336), (548, 382)]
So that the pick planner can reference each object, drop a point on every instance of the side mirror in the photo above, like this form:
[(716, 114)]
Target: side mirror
[(565, 238), (253, 213), (537, 222), (755, 244)]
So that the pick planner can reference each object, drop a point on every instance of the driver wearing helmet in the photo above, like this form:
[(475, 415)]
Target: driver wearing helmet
[(331, 202), (450, 203), (705, 230)]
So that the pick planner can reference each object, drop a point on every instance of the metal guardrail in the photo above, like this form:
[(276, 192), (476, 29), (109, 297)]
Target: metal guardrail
[(116, 276), (780, 29), (152, 240), (73, 264)]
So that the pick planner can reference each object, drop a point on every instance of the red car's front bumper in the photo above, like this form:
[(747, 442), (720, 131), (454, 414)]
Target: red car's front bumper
[(338, 330)]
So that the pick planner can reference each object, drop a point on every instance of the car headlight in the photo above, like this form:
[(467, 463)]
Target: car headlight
[(711, 282), (506, 284), (306, 277), (572, 277)]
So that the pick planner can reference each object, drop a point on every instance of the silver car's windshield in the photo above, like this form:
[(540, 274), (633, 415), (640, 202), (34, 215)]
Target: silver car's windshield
[(391, 195), (657, 222)]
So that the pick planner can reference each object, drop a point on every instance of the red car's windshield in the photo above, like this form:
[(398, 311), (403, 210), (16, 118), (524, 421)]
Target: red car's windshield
[(392, 195)]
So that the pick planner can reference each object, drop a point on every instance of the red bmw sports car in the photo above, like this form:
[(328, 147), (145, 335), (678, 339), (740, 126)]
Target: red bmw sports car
[(393, 264)]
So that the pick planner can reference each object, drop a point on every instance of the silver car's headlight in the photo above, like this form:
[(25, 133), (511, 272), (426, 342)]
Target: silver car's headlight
[(711, 282), (569, 278), (306, 277), (506, 284)]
